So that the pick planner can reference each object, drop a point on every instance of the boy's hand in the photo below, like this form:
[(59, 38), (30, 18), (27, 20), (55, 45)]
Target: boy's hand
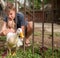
[(5, 32)]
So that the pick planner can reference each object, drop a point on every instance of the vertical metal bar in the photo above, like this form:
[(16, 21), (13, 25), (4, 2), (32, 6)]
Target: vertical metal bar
[(52, 2), (52, 26), (33, 30), (56, 4), (43, 28), (55, 16), (24, 19), (15, 13), (43, 24), (56, 10), (6, 5)]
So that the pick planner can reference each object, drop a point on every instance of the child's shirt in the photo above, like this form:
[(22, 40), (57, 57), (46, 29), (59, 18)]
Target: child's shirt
[(19, 20)]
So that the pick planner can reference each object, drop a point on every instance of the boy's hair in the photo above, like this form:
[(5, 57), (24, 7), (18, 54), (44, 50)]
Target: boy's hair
[(9, 6)]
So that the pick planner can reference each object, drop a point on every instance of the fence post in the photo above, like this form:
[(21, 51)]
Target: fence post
[(24, 23), (33, 30), (52, 10), (43, 29)]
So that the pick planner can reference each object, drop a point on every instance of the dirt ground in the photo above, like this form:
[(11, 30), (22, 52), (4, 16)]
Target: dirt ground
[(47, 34)]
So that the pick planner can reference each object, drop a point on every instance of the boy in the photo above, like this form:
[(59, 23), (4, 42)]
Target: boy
[(10, 21)]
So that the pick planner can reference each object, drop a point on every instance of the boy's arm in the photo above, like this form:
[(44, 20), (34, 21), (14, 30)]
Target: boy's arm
[(4, 26), (23, 28), (2, 33)]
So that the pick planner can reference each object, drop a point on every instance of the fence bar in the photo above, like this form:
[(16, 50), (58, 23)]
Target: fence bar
[(15, 13), (24, 23), (52, 26), (54, 18), (43, 24), (33, 30), (43, 28)]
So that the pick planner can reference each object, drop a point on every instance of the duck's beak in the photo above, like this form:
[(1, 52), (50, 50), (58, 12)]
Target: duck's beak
[(21, 35)]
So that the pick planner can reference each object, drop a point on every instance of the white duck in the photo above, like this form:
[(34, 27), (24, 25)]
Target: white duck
[(13, 40)]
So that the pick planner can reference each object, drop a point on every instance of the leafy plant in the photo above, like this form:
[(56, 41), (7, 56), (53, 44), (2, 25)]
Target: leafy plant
[(38, 3)]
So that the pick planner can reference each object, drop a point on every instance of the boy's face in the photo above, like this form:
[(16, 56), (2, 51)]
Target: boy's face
[(11, 14)]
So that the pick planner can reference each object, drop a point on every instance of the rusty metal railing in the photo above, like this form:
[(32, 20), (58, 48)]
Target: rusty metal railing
[(43, 28), (43, 19), (24, 19), (33, 30), (52, 26)]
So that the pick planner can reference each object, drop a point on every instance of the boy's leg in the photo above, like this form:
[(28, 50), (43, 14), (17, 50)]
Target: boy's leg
[(29, 31)]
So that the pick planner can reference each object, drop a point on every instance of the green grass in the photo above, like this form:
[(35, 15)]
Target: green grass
[(37, 52), (57, 34), (2, 37), (37, 33)]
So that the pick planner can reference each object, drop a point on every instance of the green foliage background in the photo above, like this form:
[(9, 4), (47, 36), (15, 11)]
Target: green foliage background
[(37, 3)]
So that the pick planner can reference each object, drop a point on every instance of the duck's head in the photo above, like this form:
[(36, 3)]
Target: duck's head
[(20, 33)]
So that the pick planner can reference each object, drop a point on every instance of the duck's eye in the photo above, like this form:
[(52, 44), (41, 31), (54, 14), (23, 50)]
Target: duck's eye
[(19, 36)]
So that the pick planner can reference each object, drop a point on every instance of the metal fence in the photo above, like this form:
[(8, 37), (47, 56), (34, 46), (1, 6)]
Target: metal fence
[(43, 24)]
